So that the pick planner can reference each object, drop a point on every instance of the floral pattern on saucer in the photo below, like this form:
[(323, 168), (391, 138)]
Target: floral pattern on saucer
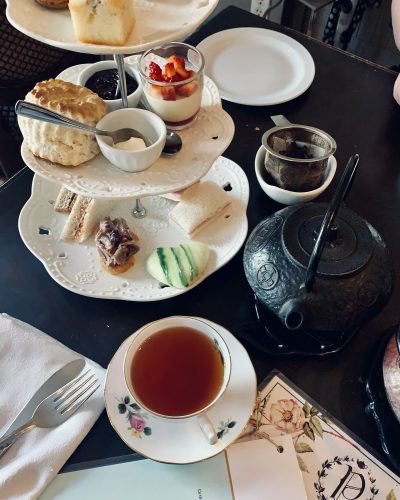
[(135, 416), (181, 442), (224, 427)]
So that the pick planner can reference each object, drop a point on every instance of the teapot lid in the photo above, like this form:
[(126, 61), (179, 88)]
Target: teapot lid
[(348, 248)]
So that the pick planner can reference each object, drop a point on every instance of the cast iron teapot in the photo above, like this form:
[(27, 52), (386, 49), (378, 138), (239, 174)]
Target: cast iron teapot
[(319, 267)]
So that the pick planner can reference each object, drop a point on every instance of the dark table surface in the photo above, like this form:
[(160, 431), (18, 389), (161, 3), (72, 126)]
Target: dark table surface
[(352, 100)]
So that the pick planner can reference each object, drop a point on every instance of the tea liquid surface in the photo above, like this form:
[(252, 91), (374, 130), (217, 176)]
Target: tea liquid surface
[(177, 371)]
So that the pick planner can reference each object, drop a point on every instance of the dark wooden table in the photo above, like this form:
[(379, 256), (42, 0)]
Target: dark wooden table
[(352, 100)]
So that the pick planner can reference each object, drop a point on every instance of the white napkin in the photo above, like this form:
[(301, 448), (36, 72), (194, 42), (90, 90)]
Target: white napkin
[(28, 357)]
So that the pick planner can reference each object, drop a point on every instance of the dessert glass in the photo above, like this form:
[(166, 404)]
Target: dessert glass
[(172, 77)]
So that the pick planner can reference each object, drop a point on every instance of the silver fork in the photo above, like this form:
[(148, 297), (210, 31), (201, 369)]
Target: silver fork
[(58, 407), (30, 110)]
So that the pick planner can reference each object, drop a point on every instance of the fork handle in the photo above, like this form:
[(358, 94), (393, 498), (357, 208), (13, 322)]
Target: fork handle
[(9, 439), (30, 110)]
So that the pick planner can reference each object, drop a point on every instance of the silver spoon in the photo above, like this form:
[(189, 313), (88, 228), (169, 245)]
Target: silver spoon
[(24, 108), (139, 211), (119, 61), (173, 143)]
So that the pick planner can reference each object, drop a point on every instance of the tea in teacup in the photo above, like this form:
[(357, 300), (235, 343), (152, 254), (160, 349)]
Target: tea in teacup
[(177, 371)]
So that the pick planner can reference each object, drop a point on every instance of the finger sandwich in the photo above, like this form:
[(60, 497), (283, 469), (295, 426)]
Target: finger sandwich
[(200, 205), (65, 200), (85, 217)]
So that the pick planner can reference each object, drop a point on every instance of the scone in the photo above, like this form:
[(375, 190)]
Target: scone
[(56, 143), (116, 244), (107, 22)]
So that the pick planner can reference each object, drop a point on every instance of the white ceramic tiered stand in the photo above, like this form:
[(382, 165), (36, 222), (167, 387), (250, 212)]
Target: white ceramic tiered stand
[(203, 143)]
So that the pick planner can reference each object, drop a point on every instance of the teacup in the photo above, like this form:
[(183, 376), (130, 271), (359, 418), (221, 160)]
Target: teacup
[(177, 369)]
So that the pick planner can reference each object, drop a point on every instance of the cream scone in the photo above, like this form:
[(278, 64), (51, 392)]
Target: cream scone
[(107, 22), (63, 145)]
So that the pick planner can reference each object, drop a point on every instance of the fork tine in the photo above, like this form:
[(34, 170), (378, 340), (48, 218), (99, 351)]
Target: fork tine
[(68, 401), (67, 386), (72, 409), (72, 390)]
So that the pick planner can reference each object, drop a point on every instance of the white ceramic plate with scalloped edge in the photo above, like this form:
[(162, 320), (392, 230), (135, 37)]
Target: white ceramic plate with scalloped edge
[(76, 267), (203, 143), (157, 22)]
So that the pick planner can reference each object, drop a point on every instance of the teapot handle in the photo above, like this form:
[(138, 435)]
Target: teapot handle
[(340, 195)]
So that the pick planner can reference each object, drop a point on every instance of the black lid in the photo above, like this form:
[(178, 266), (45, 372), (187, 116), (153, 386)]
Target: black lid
[(347, 249)]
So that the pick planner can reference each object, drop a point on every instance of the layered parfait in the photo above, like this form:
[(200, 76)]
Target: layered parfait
[(173, 83)]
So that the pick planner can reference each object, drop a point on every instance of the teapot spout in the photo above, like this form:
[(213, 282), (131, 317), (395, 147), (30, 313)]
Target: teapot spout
[(292, 314)]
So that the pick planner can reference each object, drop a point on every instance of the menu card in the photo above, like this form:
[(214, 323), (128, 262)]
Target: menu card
[(246, 471), (334, 463)]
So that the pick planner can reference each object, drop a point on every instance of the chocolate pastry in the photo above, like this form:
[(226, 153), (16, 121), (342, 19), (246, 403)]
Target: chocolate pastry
[(116, 245)]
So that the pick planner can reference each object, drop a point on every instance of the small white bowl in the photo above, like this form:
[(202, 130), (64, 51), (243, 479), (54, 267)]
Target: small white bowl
[(113, 104), (146, 122), (290, 197)]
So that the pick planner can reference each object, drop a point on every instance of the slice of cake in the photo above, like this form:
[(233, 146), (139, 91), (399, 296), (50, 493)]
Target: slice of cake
[(107, 22)]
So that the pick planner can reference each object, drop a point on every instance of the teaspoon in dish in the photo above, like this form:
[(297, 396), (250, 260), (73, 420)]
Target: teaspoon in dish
[(24, 108)]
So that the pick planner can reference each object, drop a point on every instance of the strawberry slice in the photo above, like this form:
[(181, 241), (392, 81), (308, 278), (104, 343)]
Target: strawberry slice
[(178, 62), (184, 73), (168, 93), (155, 72), (179, 65), (169, 70), (186, 90)]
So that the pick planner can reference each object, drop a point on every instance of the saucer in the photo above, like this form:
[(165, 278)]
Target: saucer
[(182, 442), (283, 195)]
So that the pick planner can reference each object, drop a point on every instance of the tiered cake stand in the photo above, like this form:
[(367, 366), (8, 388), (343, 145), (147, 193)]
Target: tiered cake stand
[(76, 266)]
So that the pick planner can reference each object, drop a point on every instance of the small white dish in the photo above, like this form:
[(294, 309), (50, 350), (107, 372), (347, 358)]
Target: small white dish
[(274, 68), (181, 442), (290, 197), (113, 104), (145, 122)]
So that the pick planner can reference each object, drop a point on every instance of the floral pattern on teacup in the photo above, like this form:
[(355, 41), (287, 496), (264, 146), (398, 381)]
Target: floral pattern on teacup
[(135, 416)]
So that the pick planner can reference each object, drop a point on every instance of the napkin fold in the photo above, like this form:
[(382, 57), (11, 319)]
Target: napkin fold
[(28, 357)]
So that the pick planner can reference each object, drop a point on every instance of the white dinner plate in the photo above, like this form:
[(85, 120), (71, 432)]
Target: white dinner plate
[(77, 268), (257, 66), (182, 442), (203, 143), (157, 22)]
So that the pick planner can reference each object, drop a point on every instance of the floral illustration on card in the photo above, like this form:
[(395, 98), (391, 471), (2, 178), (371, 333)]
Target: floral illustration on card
[(334, 465), (303, 422), (135, 416)]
